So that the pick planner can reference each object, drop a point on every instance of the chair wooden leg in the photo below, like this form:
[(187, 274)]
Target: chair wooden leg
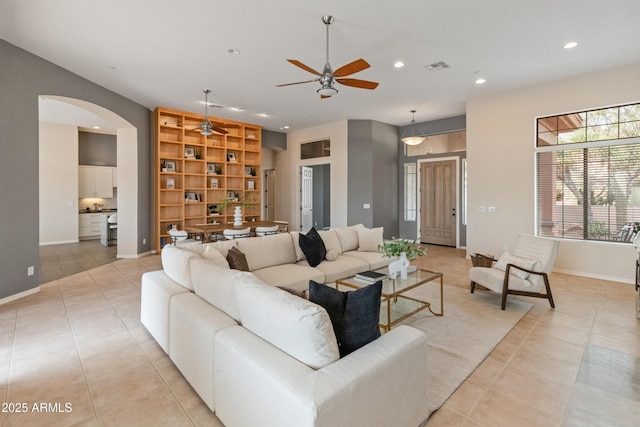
[(549, 296), (505, 289), (473, 286)]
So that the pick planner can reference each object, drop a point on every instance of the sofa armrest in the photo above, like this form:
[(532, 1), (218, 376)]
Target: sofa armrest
[(355, 390)]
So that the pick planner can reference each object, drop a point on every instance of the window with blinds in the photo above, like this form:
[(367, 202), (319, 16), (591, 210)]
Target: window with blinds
[(588, 166)]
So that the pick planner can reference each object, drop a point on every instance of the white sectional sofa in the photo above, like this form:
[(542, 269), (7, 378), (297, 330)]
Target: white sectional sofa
[(258, 355)]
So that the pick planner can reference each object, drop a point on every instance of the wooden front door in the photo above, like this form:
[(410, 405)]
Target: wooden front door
[(438, 202)]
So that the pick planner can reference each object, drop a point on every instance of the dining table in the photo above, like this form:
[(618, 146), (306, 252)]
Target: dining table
[(206, 231)]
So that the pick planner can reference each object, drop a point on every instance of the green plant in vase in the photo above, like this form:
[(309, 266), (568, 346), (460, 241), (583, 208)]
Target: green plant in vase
[(396, 246)]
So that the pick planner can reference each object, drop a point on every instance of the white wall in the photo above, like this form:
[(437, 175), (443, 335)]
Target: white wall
[(288, 165), (500, 153), (58, 158)]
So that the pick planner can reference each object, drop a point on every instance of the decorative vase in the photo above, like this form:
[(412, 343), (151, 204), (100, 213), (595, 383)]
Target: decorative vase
[(401, 266), (237, 216)]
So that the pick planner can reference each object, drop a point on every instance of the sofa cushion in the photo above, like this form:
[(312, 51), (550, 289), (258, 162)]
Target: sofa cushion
[(237, 260), (331, 241), (374, 259), (370, 238), (268, 251), (214, 255), (215, 285), (348, 237), (294, 325), (294, 276), (222, 246), (295, 238), (341, 267), (313, 247), (176, 264), (355, 315)]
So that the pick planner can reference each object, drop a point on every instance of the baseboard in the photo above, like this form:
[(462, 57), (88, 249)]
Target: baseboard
[(61, 242), (133, 256), (594, 276), (19, 295)]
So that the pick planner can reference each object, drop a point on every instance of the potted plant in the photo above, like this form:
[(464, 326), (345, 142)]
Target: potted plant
[(405, 251), (396, 246)]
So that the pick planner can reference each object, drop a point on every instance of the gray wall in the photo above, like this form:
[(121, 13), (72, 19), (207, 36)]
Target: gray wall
[(409, 229), (373, 153), (97, 149), (321, 196), (23, 77), (275, 140)]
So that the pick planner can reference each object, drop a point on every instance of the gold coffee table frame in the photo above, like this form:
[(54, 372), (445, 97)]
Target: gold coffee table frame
[(398, 305)]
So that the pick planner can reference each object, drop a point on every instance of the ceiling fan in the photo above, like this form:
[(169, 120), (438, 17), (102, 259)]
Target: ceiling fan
[(328, 77), (207, 127)]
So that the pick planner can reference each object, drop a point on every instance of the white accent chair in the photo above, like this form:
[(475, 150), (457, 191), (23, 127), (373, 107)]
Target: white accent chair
[(233, 234), (524, 271), (265, 231)]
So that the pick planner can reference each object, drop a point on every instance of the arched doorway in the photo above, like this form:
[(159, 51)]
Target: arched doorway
[(127, 169)]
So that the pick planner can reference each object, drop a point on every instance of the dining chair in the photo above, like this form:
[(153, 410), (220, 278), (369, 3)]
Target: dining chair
[(233, 234), (265, 231)]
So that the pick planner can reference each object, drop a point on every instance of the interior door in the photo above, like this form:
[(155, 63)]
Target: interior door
[(438, 202), (306, 198), (270, 195)]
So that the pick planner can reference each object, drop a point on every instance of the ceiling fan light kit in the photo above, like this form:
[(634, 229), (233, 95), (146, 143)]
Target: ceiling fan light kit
[(413, 139), (328, 78)]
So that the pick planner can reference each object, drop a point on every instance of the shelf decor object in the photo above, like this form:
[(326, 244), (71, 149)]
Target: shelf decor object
[(183, 154)]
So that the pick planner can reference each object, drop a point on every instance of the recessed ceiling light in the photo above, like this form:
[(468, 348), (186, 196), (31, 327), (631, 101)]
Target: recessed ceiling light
[(480, 81), (234, 51), (96, 127), (235, 108), (285, 127), (263, 114), (399, 64), (570, 45)]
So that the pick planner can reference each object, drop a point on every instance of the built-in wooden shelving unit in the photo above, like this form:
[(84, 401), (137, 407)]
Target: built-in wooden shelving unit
[(223, 172)]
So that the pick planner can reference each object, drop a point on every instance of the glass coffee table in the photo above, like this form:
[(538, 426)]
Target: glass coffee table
[(396, 306)]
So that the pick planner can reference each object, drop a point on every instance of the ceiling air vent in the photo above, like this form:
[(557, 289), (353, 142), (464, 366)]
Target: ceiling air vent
[(437, 66)]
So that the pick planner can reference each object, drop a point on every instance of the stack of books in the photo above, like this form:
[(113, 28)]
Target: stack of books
[(370, 276)]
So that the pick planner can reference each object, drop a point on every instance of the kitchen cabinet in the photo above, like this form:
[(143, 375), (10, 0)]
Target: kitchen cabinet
[(90, 225), (95, 182)]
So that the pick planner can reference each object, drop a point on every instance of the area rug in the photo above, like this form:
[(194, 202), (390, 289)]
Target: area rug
[(472, 326)]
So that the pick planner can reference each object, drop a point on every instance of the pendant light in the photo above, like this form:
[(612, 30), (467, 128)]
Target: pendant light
[(413, 139)]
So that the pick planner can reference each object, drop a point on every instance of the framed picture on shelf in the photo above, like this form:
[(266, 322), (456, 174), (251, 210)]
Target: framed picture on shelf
[(232, 196), (169, 166), (171, 183), (191, 197), (251, 185), (214, 182), (211, 169), (247, 170), (190, 152), (231, 157)]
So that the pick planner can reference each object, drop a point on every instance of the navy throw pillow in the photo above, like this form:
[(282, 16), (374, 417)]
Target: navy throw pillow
[(312, 246), (354, 314)]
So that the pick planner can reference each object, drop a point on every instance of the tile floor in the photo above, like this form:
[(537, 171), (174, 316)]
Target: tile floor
[(57, 261), (79, 342)]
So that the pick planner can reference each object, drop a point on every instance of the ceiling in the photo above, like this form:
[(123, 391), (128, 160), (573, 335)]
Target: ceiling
[(163, 53)]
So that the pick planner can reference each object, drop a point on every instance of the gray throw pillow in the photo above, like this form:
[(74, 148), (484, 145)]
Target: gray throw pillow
[(237, 259), (354, 314), (312, 246)]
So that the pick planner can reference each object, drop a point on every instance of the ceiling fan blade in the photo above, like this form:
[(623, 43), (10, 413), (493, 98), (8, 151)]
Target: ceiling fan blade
[(324, 97), (362, 84), (297, 83), (219, 129), (351, 68), (304, 67), (224, 125)]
